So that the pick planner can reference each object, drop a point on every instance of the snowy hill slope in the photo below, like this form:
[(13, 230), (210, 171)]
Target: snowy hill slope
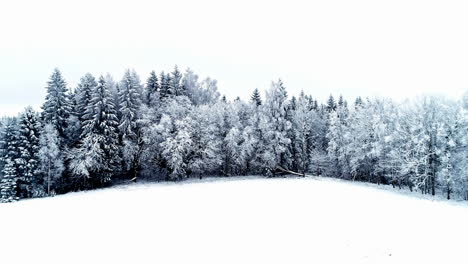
[(243, 220)]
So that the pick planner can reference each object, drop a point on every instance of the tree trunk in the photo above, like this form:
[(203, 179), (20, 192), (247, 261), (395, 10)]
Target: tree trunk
[(48, 179)]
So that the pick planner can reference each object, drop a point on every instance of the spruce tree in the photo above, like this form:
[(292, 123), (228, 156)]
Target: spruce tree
[(2, 144), (178, 88), (57, 106), (256, 98), (331, 105), (29, 128), (152, 88), (103, 126), (8, 183), (11, 155), (129, 101), (358, 103), (166, 86), (84, 94), (340, 101)]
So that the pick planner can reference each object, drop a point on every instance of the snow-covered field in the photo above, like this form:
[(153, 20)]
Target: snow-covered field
[(240, 220)]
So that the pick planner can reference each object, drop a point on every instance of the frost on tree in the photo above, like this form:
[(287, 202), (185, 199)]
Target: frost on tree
[(206, 153), (176, 126), (96, 158), (274, 127), (50, 158), (200, 93), (56, 108), (8, 183), (130, 98), (84, 95), (151, 94), (29, 129), (129, 101), (256, 98), (176, 149), (10, 159)]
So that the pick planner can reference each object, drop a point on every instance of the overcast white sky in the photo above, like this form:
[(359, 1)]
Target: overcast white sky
[(391, 48)]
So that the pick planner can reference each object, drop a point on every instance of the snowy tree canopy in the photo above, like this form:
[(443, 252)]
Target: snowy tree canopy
[(177, 126)]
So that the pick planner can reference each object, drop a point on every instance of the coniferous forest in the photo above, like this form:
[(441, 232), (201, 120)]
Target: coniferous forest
[(176, 126)]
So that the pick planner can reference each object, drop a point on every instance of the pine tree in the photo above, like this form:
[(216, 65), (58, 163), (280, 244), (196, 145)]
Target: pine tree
[(131, 140), (84, 94), (341, 101), (29, 128), (2, 144), (8, 183), (176, 84), (129, 100), (302, 122), (11, 170), (73, 130), (358, 102), (102, 127), (256, 98), (57, 106), (164, 86), (152, 89), (331, 105)]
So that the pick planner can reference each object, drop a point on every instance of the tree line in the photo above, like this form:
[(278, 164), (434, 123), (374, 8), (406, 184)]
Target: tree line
[(177, 126)]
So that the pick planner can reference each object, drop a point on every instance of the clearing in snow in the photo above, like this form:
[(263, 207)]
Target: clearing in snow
[(240, 220)]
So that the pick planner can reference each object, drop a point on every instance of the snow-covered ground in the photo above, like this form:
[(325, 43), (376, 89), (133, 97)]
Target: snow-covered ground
[(240, 220)]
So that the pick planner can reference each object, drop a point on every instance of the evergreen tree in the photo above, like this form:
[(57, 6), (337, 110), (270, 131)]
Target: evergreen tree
[(152, 89), (73, 130), (331, 105), (29, 128), (8, 183), (358, 102), (256, 98), (129, 101), (302, 122), (176, 84), (131, 140), (2, 144), (164, 86), (341, 101), (11, 168), (84, 94), (102, 127), (57, 106)]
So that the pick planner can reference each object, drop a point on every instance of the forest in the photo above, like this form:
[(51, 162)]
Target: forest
[(176, 126)]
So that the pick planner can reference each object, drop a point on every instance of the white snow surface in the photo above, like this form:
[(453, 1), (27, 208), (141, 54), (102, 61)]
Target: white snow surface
[(240, 220)]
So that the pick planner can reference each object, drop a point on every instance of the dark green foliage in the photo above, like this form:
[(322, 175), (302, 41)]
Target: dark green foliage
[(256, 98)]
